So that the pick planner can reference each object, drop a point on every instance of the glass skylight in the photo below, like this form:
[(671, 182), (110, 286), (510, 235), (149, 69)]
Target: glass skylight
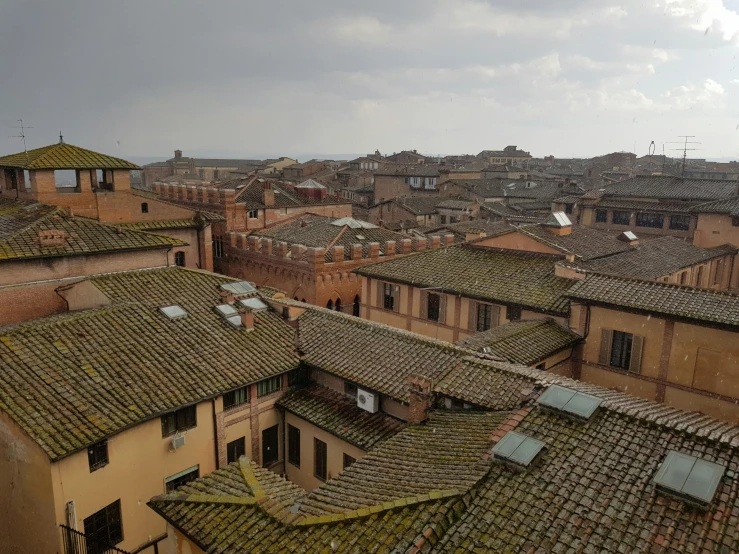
[(571, 402), (173, 312), (689, 477), (239, 288), (254, 303), (517, 448), (226, 310)]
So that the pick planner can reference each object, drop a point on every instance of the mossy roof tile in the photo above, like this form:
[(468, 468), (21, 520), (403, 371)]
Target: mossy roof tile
[(64, 156)]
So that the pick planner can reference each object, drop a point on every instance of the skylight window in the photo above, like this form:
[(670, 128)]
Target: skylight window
[(234, 321), (255, 304), (570, 402), (173, 312), (517, 449), (226, 310), (689, 478), (239, 288)]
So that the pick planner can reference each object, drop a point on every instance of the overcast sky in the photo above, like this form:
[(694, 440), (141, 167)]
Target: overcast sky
[(292, 77)]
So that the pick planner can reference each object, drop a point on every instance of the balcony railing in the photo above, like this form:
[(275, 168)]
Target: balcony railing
[(77, 543)]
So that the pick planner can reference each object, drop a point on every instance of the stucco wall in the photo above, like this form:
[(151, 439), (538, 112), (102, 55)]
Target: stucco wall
[(517, 241)]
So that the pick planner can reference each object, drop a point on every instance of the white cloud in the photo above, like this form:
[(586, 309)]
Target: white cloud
[(706, 16)]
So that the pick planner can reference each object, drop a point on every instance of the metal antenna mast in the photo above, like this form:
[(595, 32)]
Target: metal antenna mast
[(22, 136), (685, 149)]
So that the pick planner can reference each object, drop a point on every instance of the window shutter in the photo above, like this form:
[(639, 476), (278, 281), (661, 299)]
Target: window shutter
[(472, 320), (396, 296), (442, 309), (606, 338), (380, 288), (424, 313), (494, 316), (637, 344)]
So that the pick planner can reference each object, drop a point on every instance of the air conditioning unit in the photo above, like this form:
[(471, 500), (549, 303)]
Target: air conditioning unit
[(368, 401), (178, 441)]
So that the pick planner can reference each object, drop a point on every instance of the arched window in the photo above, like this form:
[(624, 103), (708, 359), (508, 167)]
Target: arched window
[(296, 299), (144, 207), (330, 305), (338, 304), (179, 259), (357, 306), (303, 300)]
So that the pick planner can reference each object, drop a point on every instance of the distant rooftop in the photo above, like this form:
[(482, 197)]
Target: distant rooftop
[(63, 156)]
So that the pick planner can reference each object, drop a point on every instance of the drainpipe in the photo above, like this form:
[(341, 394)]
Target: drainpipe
[(215, 433)]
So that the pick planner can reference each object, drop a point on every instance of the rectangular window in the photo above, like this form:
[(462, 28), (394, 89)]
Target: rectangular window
[(568, 208), (97, 455), (179, 259), (182, 478), (350, 389), (443, 220), (348, 460), (513, 313), (236, 449), (218, 247), (104, 528), (484, 317), (270, 445), (321, 459), (215, 174), (621, 218), (680, 222), (621, 349), (181, 420), (433, 306), (253, 214), (601, 216), (201, 173), (388, 296), (293, 445), (236, 397), (654, 221), (268, 386)]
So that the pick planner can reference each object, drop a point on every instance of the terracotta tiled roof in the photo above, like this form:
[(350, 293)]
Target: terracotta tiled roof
[(250, 191), (340, 416), (729, 206), (64, 156), (583, 242), (700, 305), (642, 206), (460, 229), (656, 258), (505, 277), (72, 380), (672, 187), (444, 454), (167, 224), (523, 342), (24, 226), (509, 213)]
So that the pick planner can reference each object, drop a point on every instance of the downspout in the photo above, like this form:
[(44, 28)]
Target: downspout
[(167, 254), (215, 433)]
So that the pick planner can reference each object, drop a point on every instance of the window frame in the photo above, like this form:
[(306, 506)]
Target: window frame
[(276, 429), (293, 445), (484, 311), (348, 461), (320, 470), (615, 217), (674, 227), (144, 207), (646, 220), (601, 212), (179, 259), (433, 307), (233, 448), (237, 397), (622, 357), (255, 216), (388, 297), (264, 388), (513, 313), (218, 249), (97, 455), (180, 421), (182, 478), (112, 517)]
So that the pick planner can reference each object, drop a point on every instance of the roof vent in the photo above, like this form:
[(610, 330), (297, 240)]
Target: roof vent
[(572, 403), (173, 312), (689, 478), (517, 449)]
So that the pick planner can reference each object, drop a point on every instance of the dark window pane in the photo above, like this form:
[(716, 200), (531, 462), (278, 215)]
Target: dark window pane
[(173, 484), (621, 349), (179, 259), (601, 216), (513, 313), (236, 449), (180, 420), (235, 398), (568, 208), (654, 221), (388, 296), (348, 460), (293, 445), (680, 222), (103, 528), (321, 459), (270, 441), (621, 218), (484, 316), (97, 455), (434, 303), (268, 386)]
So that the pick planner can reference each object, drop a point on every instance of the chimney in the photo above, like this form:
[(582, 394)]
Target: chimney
[(177, 154), (269, 195), (356, 251), (405, 246), (338, 254), (390, 248), (435, 242), (420, 399), (247, 320), (421, 244), (448, 239), (374, 250)]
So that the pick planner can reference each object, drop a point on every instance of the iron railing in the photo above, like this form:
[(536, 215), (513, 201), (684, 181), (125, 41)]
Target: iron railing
[(76, 543)]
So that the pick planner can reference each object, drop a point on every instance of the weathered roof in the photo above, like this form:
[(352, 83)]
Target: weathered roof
[(456, 204), (339, 415), (250, 191), (509, 213), (74, 379), (729, 206), (644, 206), (64, 156), (656, 258), (672, 187), (462, 228), (523, 342), (22, 223), (419, 170), (503, 276), (420, 205), (701, 305), (321, 232), (583, 242)]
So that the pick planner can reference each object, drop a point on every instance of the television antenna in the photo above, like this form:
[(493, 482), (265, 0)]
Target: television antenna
[(685, 149), (22, 136)]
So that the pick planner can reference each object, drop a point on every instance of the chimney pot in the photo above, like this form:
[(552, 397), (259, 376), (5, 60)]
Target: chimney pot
[(390, 248), (374, 249), (247, 320), (420, 399)]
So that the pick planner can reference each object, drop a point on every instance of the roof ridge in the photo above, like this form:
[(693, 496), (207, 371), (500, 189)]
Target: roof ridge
[(205, 498), (656, 284)]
